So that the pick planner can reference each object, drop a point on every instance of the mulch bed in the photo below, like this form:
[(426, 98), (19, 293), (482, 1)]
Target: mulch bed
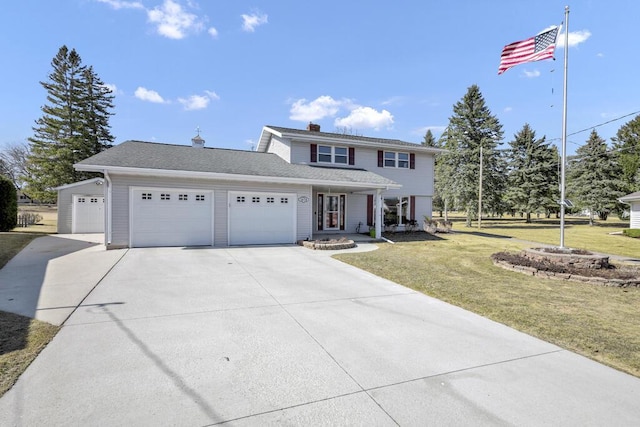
[(612, 272), (413, 236)]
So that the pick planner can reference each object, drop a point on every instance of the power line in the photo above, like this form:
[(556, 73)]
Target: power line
[(596, 126)]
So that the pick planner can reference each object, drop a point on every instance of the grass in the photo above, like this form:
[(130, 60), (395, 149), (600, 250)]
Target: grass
[(578, 234), (598, 322), (21, 338), (49, 223)]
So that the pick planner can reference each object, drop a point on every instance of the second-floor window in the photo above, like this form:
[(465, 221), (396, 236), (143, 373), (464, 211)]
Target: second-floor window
[(393, 159), (331, 154)]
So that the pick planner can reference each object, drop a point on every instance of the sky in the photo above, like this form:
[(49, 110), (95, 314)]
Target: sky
[(387, 69)]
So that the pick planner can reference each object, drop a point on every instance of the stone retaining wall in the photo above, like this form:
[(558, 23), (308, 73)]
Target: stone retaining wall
[(569, 259), (531, 271), (320, 245)]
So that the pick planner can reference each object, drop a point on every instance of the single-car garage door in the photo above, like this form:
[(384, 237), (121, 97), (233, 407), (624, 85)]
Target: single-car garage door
[(87, 215), (257, 218), (171, 217)]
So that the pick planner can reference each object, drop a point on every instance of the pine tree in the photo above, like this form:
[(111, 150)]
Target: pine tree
[(470, 127), (429, 139), (594, 178), (532, 175), (627, 148), (74, 125)]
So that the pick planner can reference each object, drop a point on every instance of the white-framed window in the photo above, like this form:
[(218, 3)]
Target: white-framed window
[(393, 159), (331, 154), (183, 197), (94, 200), (165, 196), (240, 199), (80, 199), (146, 196), (199, 197), (255, 199), (270, 199), (284, 200)]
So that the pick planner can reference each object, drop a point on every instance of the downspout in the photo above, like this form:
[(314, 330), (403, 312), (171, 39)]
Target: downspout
[(107, 214)]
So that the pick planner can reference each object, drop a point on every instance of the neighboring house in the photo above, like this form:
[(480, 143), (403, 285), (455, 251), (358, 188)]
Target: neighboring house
[(633, 200), (297, 185), (23, 197), (81, 207)]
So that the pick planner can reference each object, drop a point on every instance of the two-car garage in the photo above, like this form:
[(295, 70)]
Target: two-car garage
[(187, 217)]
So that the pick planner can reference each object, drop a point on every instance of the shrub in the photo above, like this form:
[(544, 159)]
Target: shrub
[(8, 205), (632, 232)]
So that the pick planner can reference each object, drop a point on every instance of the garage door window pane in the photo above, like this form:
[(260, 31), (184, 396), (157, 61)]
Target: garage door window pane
[(240, 199), (183, 197), (165, 196), (199, 197), (255, 199), (80, 199), (146, 196), (284, 200), (270, 199)]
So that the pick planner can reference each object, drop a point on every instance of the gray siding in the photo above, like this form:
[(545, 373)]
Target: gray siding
[(120, 202), (65, 203), (635, 215), (280, 147)]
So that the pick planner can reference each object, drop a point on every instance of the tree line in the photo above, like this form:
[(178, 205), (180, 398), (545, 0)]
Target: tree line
[(525, 177)]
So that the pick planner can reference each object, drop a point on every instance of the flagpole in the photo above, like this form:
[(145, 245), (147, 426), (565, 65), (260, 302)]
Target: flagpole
[(564, 125)]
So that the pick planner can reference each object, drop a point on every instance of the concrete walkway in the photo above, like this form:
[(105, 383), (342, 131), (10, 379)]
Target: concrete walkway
[(286, 335), (49, 278)]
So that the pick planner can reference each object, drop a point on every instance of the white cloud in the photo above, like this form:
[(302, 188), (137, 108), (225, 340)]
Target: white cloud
[(213, 32), (173, 21), (198, 102), (600, 55), (531, 74), (212, 95), (395, 100), (319, 108), (112, 87), (507, 109), (365, 117), (250, 22), (434, 129), (149, 95), (119, 4), (575, 38)]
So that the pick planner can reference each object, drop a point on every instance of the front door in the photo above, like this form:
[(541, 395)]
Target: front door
[(331, 211)]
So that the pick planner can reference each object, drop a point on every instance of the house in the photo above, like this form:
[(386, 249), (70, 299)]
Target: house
[(81, 207), (633, 200), (298, 184), (23, 198)]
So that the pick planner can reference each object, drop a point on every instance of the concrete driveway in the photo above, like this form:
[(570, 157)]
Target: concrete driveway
[(286, 335)]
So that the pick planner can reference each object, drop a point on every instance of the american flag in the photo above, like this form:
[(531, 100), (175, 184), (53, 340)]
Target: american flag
[(534, 49)]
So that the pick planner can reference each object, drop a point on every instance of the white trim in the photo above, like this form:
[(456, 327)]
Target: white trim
[(332, 154), (230, 177), (132, 189), (396, 159), (107, 210), (75, 184)]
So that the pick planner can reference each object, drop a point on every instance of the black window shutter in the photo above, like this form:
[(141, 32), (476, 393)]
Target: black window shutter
[(412, 208), (380, 158), (412, 161), (352, 156), (314, 153), (369, 209)]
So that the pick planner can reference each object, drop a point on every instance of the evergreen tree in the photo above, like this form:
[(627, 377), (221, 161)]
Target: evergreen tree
[(429, 139), (470, 127), (532, 175), (74, 125), (593, 179), (627, 148)]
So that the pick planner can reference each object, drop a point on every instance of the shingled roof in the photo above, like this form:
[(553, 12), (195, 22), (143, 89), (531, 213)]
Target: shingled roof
[(360, 140), (149, 156)]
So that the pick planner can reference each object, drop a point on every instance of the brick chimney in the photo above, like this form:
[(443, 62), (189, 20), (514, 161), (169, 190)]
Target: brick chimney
[(312, 127)]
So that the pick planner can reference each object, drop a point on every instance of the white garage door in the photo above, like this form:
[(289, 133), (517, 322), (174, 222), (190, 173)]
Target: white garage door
[(261, 218), (87, 215), (171, 217)]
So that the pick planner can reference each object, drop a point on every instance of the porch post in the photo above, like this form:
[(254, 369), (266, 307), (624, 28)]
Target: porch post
[(379, 209)]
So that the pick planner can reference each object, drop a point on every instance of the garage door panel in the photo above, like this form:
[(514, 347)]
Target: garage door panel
[(261, 218), (171, 217), (87, 214)]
